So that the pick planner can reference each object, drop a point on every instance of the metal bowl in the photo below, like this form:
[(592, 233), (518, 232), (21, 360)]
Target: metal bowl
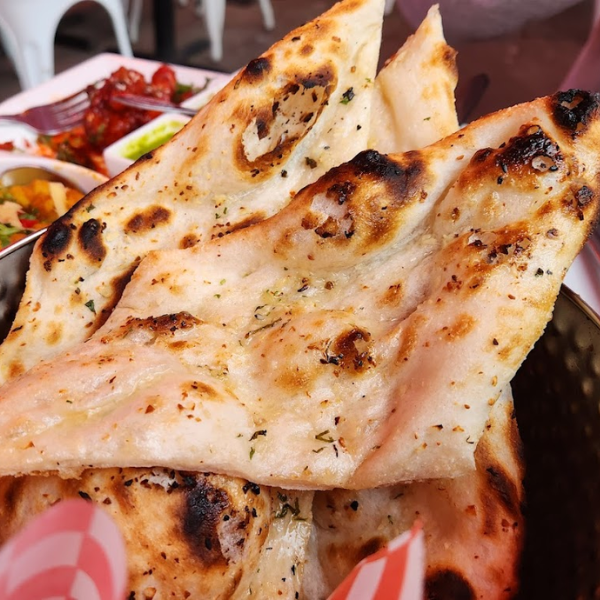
[(557, 394), (14, 262)]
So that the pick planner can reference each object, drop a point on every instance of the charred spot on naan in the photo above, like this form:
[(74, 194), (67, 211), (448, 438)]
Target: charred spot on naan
[(153, 328), (360, 202), (501, 491), (520, 162), (297, 352), (350, 350), (500, 501), (578, 200), (90, 241), (256, 70), (389, 185), (148, 219), (204, 506), (446, 584), (574, 110), (56, 241), (269, 132), (57, 244)]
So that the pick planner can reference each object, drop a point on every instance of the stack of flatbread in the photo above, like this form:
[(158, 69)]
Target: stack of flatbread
[(272, 344)]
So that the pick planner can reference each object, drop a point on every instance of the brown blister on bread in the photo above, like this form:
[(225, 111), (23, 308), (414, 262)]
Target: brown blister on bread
[(275, 129), (358, 205), (149, 218), (89, 238), (574, 110)]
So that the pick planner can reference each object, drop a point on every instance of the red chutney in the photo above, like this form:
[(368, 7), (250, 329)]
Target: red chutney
[(107, 121)]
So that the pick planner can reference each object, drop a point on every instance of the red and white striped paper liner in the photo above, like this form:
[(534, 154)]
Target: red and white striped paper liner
[(73, 551), (396, 572)]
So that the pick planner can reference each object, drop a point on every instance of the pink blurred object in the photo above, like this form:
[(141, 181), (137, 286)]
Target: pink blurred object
[(396, 572), (584, 73), (482, 19), (73, 551)]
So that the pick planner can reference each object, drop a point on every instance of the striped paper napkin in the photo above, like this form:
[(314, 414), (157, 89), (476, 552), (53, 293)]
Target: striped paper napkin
[(74, 551), (396, 572)]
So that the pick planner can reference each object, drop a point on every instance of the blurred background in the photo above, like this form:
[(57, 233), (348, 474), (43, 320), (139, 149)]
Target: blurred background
[(520, 66)]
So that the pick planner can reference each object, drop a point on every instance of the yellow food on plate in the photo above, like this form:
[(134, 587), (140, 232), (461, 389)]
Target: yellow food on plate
[(31, 207)]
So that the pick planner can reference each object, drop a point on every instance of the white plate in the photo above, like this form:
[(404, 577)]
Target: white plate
[(76, 78)]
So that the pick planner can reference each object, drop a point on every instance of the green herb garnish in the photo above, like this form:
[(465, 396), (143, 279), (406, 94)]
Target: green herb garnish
[(324, 437), (347, 96)]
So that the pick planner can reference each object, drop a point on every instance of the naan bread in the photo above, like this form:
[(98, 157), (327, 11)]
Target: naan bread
[(299, 352), (155, 508), (413, 104), (187, 535), (473, 524), (289, 116)]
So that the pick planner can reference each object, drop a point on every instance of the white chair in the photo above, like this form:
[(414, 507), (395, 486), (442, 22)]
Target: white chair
[(214, 14), (133, 12), (389, 6), (29, 27)]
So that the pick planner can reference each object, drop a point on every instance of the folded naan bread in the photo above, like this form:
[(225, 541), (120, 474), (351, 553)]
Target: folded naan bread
[(187, 535), (301, 108), (413, 103), (473, 524), (357, 338)]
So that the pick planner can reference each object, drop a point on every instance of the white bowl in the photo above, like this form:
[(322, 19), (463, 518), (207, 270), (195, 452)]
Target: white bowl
[(85, 179), (124, 152)]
